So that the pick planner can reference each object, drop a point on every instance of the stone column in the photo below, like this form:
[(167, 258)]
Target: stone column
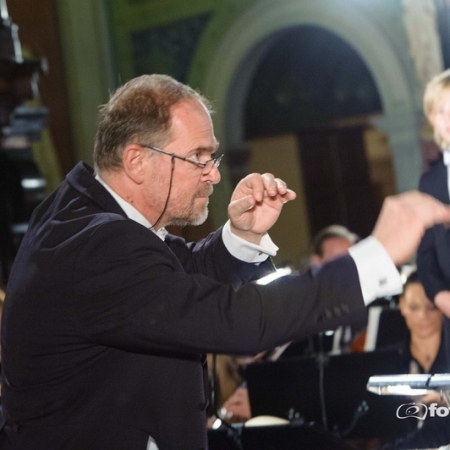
[(424, 42), (405, 146)]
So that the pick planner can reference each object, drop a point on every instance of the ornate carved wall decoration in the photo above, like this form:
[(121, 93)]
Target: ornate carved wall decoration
[(424, 42), (168, 49)]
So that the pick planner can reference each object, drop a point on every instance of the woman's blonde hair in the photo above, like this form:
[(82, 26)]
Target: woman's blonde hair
[(434, 90)]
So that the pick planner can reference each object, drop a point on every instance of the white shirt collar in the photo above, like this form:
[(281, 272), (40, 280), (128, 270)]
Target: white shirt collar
[(131, 212), (446, 154)]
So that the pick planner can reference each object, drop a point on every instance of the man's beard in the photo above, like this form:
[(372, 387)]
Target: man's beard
[(192, 219), (191, 216)]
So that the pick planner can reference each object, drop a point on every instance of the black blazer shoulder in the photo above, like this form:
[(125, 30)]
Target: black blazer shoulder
[(434, 182)]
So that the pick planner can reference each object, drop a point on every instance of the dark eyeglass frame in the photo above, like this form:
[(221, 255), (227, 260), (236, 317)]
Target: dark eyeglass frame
[(206, 166)]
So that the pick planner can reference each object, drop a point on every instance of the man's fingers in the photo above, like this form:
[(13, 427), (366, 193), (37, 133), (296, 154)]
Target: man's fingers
[(238, 207), (265, 185), (436, 213), (272, 184), (290, 195), (423, 207)]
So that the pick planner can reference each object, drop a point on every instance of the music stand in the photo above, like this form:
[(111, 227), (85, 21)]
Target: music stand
[(291, 389)]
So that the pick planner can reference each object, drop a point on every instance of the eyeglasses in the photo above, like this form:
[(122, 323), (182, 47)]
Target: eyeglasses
[(206, 166)]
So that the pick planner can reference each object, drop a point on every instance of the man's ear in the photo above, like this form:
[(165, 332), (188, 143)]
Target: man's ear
[(133, 160)]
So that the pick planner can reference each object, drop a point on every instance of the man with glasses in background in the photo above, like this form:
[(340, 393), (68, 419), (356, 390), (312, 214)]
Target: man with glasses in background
[(108, 317)]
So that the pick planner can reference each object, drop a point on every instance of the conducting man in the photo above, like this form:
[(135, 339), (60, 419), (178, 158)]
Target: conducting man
[(107, 317)]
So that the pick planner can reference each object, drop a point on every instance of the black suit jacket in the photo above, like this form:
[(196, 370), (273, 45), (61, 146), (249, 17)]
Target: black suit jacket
[(433, 255), (105, 325)]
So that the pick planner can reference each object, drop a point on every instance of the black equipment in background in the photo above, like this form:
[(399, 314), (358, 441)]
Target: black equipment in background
[(391, 328), (291, 389), (21, 185)]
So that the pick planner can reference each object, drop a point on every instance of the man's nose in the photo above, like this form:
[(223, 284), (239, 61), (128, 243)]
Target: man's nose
[(213, 176)]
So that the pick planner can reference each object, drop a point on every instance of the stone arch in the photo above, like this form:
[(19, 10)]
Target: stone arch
[(249, 38)]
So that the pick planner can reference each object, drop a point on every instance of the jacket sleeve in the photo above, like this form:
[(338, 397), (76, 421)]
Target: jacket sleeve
[(136, 295), (210, 257)]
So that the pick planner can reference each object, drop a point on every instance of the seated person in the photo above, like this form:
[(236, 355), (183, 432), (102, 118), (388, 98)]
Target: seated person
[(423, 352)]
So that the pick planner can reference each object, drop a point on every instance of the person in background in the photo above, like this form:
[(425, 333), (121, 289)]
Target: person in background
[(422, 352), (108, 317), (330, 242), (433, 255)]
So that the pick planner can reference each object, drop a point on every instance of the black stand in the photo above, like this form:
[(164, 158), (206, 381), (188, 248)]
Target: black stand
[(19, 175)]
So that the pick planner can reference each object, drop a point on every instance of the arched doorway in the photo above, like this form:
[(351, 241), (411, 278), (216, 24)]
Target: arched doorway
[(313, 86), (251, 39)]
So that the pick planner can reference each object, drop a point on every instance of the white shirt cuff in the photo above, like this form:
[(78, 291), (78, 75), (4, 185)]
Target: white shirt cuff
[(246, 251), (377, 273)]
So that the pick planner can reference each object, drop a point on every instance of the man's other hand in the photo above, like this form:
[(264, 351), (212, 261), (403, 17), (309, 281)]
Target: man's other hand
[(403, 220)]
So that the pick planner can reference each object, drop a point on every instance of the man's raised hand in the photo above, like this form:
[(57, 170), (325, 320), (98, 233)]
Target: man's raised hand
[(256, 204)]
